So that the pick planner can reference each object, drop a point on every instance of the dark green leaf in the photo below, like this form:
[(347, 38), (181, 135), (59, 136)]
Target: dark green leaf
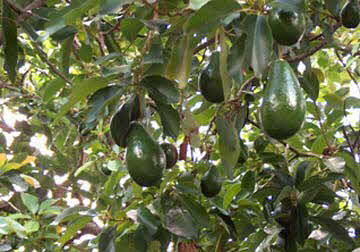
[(228, 144), (66, 48), (150, 221), (9, 30), (338, 231), (310, 84), (31, 202), (276, 160), (248, 182), (161, 89), (80, 91), (231, 192), (262, 46), (155, 53), (73, 227), (197, 211), (216, 9), (300, 172), (107, 240), (170, 119), (130, 27), (113, 6), (52, 88)]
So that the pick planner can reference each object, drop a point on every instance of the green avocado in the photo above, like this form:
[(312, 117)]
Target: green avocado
[(145, 158), (210, 183), (286, 26), (350, 14), (170, 153), (282, 111), (210, 83)]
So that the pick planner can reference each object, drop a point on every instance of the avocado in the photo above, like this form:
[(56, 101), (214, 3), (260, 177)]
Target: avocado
[(120, 122), (170, 153), (286, 26), (282, 111), (210, 83), (106, 171), (350, 14), (145, 158), (210, 183)]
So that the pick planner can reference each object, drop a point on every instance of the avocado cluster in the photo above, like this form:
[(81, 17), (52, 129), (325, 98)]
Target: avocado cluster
[(146, 159)]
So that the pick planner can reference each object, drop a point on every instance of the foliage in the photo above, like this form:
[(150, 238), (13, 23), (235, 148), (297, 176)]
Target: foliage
[(67, 67)]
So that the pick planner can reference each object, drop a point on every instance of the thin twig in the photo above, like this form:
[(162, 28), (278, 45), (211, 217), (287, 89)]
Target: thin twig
[(54, 69)]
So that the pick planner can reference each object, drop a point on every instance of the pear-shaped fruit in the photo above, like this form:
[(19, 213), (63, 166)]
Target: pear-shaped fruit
[(350, 14), (211, 182), (145, 158), (283, 106), (170, 153), (210, 83), (286, 26)]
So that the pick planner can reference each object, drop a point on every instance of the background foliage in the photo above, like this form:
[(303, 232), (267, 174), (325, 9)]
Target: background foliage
[(67, 66)]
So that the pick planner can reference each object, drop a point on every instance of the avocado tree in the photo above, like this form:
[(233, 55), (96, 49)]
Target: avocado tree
[(179, 125)]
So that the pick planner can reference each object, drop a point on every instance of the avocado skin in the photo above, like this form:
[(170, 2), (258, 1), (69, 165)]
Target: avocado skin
[(350, 14), (210, 83), (283, 107), (286, 26), (170, 153), (210, 183), (145, 158)]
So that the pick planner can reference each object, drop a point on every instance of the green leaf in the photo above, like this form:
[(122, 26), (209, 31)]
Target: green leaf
[(197, 211), (72, 213), (216, 9), (197, 4), (65, 51), (100, 99), (80, 91), (130, 27), (319, 145), (262, 46), (131, 242), (107, 240), (231, 192), (248, 182), (31, 202), (150, 221), (73, 227), (352, 102), (154, 56), (170, 119), (179, 67), (161, 89), (226, 80), (113, 6), (333, 6), (31, 226), (9, 31), (352, 170), (310, 84), (46, 205), (52, 88), (277, 160), (237, 59), (300, 172), (228, 144), (333, 227)]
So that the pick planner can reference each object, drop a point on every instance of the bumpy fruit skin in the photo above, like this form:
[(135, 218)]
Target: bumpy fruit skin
[(210, 183), (283, 107), (170, 153), (145, 158), (350, 14), (286, 26), (210, 83)]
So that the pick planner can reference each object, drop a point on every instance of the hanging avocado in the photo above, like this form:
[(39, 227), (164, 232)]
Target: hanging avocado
[(286, 26), (283, 107), (350, 14), (210, 83), (145, 158), (210, 183), (170, 153), (120, 122)]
